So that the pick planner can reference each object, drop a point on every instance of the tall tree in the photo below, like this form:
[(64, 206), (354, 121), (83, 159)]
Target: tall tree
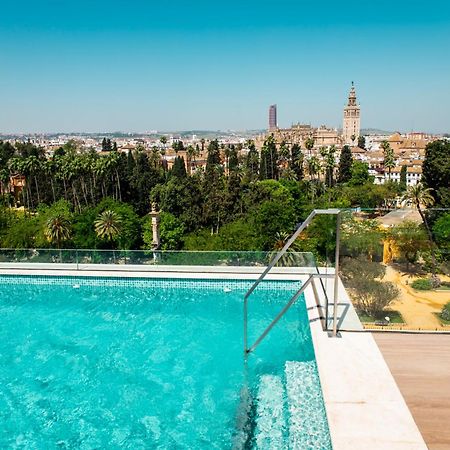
[(362, 142), (389, 157), (163, 140), (313, 164), (179, 168), (309, 145), (268, 168), (106, 145), (252, 162), (329, 159), (436, 172), (420, 196), (296, 161), (284, 154), (58, 230), (345, 165), (403, 174), (190, 157), (213, 158), (213, 189), (233, 159)]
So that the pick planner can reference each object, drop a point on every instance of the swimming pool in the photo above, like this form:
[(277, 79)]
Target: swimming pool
[(91, 362)]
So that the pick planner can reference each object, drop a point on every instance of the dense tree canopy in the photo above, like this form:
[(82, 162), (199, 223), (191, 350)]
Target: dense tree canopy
[(243, 199), (436, 172)]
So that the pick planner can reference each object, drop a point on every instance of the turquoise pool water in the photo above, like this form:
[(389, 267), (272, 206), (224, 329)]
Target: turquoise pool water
[(122, 363)]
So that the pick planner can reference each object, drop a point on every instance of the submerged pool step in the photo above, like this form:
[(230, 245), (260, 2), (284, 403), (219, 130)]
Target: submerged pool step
[(308, 428), (270, 417)]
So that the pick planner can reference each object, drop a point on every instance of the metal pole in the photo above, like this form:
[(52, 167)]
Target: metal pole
[(245, 327), (284, 249), (336, 273), (280, 315)]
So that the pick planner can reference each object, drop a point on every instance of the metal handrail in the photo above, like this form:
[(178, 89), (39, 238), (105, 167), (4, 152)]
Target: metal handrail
[(278, 256), (280, 314)]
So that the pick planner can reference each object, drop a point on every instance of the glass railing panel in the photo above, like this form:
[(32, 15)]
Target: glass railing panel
[(395, 266), (86, 257)]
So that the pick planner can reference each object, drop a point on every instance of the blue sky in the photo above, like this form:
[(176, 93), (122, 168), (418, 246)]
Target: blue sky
[(143, 65)]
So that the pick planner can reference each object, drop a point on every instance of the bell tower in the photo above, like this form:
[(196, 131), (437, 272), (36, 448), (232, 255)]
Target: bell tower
[(352, 123)]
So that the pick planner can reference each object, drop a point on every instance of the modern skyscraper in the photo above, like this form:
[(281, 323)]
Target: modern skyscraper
[(352, 122), (273, 117)]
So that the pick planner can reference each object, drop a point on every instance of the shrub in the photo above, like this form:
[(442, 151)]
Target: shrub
[(422, 284), (372, 296), (445, 313), (355, 269)]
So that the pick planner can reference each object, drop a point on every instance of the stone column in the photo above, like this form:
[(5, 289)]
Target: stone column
[(156, 242)]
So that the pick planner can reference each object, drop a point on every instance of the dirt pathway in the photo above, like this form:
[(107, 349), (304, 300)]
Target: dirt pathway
[(417, 307)]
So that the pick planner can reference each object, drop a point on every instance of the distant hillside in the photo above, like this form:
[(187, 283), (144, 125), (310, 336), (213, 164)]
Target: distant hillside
[(365, 131)]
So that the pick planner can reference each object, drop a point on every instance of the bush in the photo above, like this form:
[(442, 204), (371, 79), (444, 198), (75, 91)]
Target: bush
[(355, 269), (171, 232), (372, 296), (445, 313), (422, 284)]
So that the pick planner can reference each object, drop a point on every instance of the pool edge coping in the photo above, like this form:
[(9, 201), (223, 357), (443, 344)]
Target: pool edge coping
[(362, 400)]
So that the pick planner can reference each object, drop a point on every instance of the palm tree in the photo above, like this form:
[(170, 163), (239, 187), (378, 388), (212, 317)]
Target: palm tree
[(202, 142), (108, 225), (291, 257), (309, 144), (58, 230), (155, 157), (49, 170), (313, 166), (288, 174), (112, 165), (329, 162), (190, 154), (420, 196), (284, 153), (32, 167), (389, 157), (163, 140)]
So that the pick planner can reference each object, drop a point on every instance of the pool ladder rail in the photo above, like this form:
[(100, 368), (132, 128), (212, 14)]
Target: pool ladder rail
[(310, 280)]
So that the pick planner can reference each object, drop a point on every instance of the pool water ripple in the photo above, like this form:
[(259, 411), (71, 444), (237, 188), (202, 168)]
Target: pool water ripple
[(144, 365)]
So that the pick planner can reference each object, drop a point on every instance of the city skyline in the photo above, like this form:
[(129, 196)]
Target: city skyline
[(108, 67)]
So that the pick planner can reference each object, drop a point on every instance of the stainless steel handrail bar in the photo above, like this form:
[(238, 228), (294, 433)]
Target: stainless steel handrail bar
[(279, 255), (286, 307), (280, 315)]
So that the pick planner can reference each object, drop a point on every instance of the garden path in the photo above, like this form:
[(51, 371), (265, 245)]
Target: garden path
[(417, 307)]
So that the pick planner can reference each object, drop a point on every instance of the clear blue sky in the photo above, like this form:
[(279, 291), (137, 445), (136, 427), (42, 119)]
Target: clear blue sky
[(143, 65)]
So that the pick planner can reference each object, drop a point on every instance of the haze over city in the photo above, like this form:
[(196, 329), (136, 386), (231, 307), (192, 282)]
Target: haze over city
[(146, 66)]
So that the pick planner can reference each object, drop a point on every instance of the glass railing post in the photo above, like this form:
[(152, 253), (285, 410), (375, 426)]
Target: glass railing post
[(336, 273)]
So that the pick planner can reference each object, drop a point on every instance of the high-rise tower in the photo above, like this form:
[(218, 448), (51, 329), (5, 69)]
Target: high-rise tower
[(273, 117), (352, 121)]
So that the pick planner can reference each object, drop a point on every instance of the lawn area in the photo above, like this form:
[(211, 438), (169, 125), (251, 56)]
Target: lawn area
[(394, 316)]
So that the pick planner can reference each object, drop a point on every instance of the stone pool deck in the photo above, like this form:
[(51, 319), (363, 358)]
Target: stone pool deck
[(420, 363), (364, 405)]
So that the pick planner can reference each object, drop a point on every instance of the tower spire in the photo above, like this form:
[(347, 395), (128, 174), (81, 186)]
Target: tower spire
[(351, 126)]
